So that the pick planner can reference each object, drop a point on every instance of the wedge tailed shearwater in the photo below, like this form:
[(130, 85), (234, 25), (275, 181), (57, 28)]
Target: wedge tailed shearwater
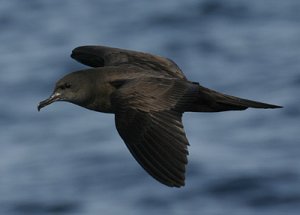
[(148, 95)]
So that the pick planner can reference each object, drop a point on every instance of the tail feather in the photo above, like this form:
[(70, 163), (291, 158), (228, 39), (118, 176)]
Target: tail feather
[(211, 101)]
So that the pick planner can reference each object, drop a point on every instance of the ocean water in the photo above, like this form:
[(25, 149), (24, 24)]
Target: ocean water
[(68, 160)]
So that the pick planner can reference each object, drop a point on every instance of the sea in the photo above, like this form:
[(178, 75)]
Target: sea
[(69, 160)]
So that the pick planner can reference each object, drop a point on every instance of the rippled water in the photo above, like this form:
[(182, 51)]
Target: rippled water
[(68, 160)]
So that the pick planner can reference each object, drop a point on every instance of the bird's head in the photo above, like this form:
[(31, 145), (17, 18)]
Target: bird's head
[(74, 87)]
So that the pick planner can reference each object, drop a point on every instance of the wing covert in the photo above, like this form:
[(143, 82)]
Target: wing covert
[(148, 118)]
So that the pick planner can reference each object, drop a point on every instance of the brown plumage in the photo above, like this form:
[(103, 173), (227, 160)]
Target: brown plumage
[(148, 95)]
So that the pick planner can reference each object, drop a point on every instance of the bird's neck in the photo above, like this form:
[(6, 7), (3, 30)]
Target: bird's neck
[(101, 100)]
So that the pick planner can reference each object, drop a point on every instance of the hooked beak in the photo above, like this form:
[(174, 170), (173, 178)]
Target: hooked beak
[(53, 98)]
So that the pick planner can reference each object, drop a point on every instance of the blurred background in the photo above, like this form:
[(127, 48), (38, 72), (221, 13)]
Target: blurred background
[(68, 160)]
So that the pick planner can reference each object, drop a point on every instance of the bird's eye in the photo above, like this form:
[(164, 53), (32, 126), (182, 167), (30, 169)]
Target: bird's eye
[(64, 86), (67, 85)]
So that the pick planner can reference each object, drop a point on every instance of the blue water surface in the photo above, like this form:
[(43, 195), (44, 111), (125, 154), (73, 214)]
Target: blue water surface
[(69, 160)]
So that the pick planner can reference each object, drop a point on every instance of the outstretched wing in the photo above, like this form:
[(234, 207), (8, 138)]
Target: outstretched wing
[(148, 118), (158, 143), (100, 56)]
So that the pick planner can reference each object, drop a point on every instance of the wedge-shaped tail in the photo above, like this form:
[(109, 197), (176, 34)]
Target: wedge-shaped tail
[(212, 101)]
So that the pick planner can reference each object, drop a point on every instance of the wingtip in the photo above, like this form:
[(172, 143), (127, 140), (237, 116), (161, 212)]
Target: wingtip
[(94, 49), (89, 55), (180, 185), (174, 183), (80, 50), (275, 106)]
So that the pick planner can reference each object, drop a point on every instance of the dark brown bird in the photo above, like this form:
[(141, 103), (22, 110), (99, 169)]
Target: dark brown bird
[(148, 95)]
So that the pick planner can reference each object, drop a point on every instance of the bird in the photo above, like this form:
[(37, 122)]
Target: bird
[(148, 95)]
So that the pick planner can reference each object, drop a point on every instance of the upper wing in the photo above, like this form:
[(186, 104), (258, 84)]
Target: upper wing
[(100, 56), (155, 94), (148, 118)]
